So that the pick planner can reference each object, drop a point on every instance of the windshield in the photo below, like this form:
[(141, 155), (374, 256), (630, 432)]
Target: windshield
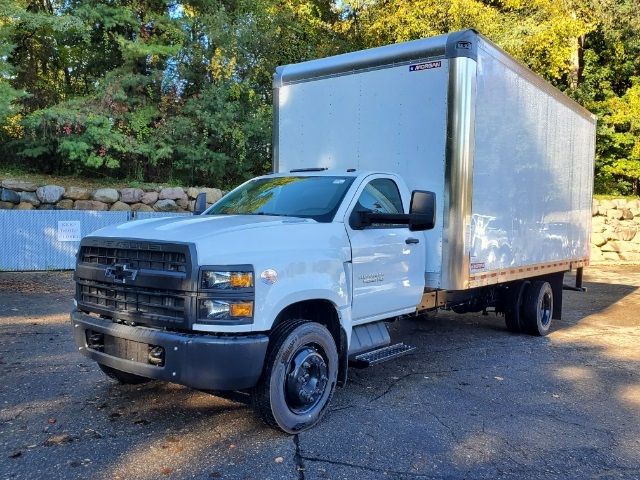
[(308, 197)]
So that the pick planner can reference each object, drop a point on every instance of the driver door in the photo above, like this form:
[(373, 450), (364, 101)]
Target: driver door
[(388, 260)]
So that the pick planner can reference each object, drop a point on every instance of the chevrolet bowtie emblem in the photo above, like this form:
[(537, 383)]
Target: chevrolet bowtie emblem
[(120, 273)]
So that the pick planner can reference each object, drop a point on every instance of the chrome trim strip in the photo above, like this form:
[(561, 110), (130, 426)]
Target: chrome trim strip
[(458, 188), (527, 271), (368, 69), (388, 55)]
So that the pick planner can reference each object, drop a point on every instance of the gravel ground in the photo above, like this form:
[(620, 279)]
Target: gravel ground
[(473, 401)]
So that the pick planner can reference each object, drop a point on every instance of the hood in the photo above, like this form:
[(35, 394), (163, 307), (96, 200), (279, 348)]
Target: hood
[(193, 228)]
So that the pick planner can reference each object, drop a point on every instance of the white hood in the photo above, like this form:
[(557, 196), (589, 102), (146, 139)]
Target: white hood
[(192, 229), (228, 239)]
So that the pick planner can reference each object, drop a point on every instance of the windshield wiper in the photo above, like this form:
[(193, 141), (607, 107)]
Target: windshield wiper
[(257, 213), (270, 214)]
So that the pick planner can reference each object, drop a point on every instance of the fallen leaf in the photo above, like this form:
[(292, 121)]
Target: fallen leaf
[(279, 459), (166, 471), (58, 440)]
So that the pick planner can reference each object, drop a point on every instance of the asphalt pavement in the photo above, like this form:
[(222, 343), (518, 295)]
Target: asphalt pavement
[(472, 401)]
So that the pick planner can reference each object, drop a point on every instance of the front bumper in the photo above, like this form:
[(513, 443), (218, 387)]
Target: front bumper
[(200, 361)]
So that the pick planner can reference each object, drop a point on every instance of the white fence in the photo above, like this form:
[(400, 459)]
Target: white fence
[(49, 239)]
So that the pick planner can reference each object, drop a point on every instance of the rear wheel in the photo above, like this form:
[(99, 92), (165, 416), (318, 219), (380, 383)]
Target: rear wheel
[(123, 377), (538, 308), (513, 316), (299, 378)]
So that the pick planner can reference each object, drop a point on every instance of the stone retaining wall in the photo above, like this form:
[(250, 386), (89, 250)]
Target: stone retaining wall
[(615, 225), (614, 235), (21, 195)]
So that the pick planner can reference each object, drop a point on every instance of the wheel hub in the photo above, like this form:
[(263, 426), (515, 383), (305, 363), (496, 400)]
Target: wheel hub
[(545, 309), (306, 379)]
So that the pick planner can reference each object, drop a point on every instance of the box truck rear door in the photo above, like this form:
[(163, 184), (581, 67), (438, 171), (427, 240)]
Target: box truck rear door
[(388, 260)]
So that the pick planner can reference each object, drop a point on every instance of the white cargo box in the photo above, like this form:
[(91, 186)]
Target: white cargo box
[(509, 157)]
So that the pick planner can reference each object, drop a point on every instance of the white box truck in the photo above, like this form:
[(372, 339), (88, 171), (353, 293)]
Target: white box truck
[(438, 173)]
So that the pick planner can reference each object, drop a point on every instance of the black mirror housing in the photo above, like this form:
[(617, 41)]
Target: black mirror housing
[(422, 213), (201, 204)]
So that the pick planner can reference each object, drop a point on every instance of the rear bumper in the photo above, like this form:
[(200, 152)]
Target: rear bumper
[(196, 360)]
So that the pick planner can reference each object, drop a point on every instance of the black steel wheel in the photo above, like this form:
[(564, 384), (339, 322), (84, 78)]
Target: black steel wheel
[(299, 378), (123, 377), (538, 308)]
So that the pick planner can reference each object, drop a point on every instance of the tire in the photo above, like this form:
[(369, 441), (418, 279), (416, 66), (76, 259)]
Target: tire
[(285, 398), (512, 320), (513, 317), (538, 308), (460, 309), (123, 377)]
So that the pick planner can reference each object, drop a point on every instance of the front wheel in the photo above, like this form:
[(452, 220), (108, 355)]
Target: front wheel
[(299, 378)]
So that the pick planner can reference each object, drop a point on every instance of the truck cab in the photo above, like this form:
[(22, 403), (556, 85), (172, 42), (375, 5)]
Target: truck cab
[(261, 291)]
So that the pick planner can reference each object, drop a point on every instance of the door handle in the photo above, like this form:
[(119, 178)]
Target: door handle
[(411, 240)]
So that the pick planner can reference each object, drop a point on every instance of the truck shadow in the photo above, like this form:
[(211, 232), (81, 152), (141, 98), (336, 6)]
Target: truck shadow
[(475, 401), (577, 306)]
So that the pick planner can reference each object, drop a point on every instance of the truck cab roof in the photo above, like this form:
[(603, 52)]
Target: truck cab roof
[(314, 172)]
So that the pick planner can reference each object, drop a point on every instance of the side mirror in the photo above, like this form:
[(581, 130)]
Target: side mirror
[(422, 213), (201, 204)]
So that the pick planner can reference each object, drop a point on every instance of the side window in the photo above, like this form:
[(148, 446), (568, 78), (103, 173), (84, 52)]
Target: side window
[(380, 196)]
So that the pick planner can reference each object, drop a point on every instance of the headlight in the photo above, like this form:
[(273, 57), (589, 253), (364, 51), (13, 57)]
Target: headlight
[(226, 280), (225, 310), (226, 295)]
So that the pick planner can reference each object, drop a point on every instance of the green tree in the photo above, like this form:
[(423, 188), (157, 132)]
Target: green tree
[(154, 89), (109, 127), (9, 96), (611, 52)]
